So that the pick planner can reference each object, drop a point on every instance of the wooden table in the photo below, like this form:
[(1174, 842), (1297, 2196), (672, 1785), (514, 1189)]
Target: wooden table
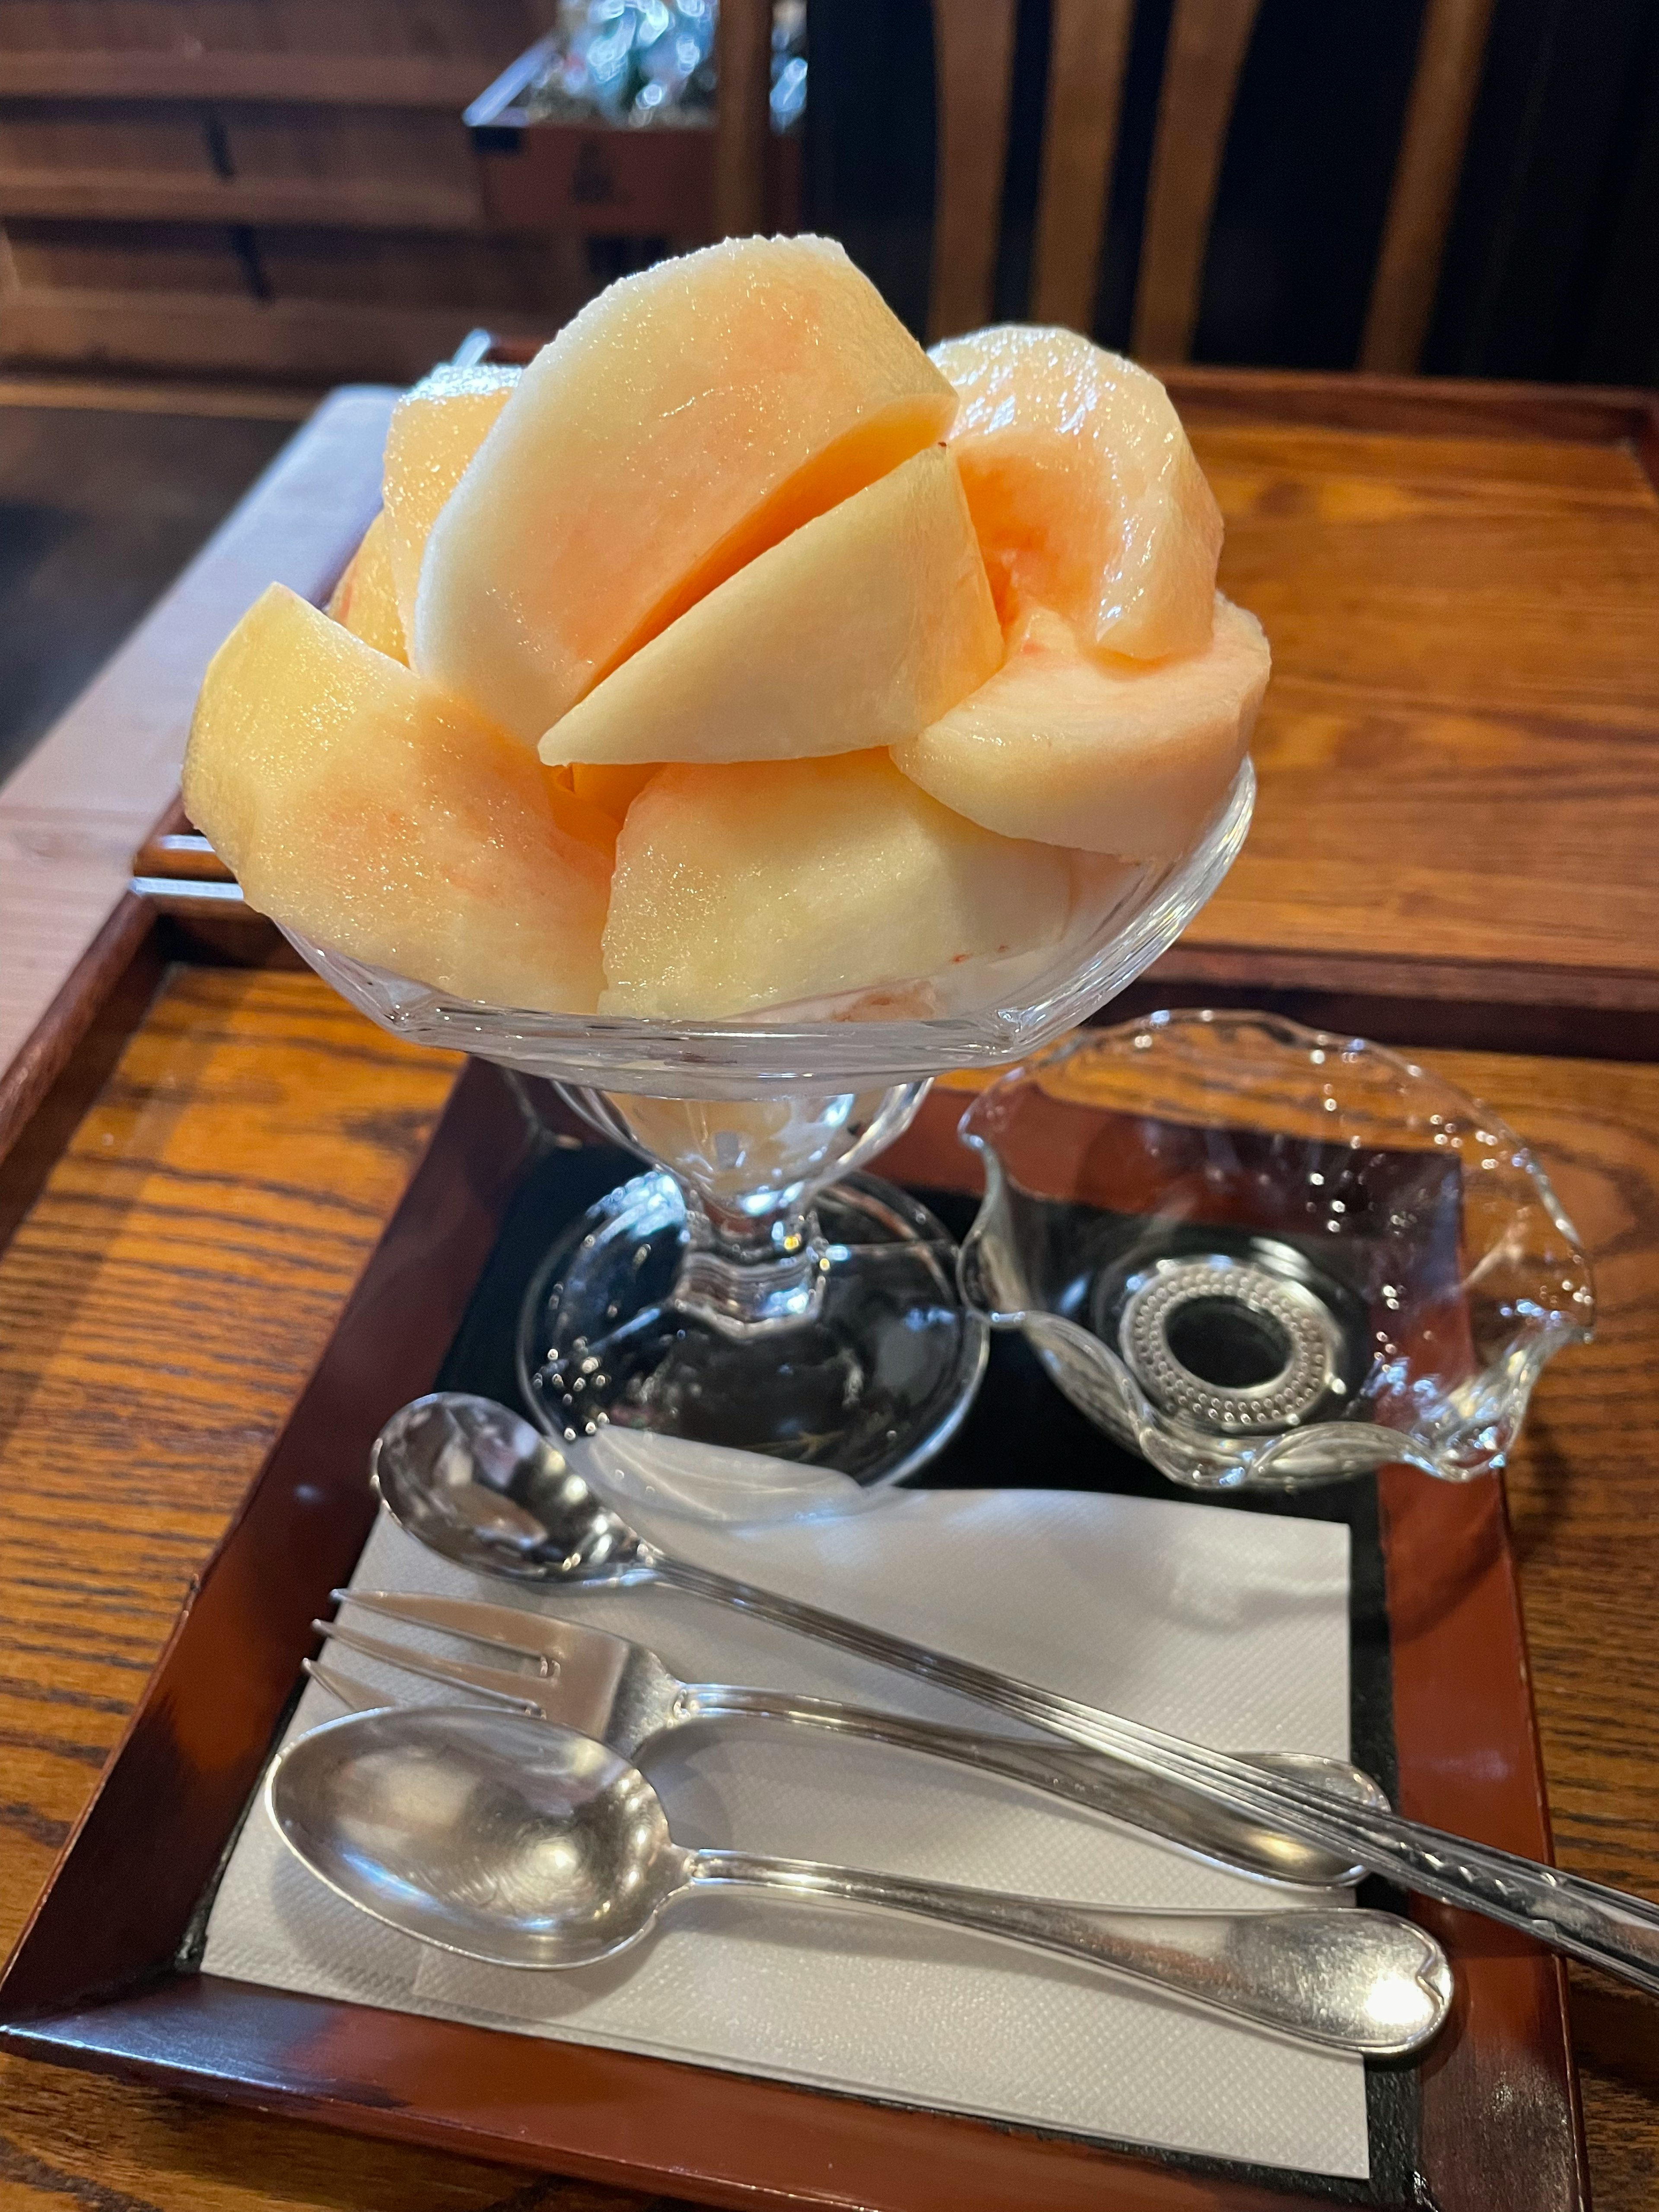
[(1460, 798), (1459, 754)]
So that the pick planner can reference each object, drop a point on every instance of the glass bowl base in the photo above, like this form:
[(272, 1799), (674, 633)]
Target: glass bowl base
[(874, 1383)]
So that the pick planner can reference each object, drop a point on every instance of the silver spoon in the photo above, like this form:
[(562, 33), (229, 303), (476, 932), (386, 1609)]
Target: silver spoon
[(513, 1842), (448, 1439), (472, 1480)]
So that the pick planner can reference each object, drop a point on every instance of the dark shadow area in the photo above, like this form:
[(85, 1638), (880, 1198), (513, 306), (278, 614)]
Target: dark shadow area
[(1550, 264), (99, 511)]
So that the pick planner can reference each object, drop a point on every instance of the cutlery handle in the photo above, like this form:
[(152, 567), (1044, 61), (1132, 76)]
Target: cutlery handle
[(1606, 1927), (1097, 1784), (1362, 1982)]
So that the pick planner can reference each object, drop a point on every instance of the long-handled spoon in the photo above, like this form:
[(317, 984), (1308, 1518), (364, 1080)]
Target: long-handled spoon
[(472, 1480), (553, 1530), (513, 1841)]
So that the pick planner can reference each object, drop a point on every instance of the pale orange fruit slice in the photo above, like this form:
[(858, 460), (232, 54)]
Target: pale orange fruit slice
[(374, 815), (739, 887), (364, 599), (1086, 495), (686, 420), (1106, 754), (863, 626), (435, 430)]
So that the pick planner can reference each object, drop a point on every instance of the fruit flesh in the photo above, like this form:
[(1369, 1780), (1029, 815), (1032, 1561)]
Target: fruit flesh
[(1086, 495), (612, 789), (435, 430), (379, 818), (1105, 754), (364, 599), (742, 886), (686, 420), (862, 627)]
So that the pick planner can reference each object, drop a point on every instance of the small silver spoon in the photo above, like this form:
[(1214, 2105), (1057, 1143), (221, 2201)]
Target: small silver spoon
[(470, 1480), (517, 1844)]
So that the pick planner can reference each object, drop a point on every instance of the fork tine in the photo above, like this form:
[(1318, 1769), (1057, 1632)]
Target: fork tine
[(494, 1682), (345, 1689), (542, 1637)]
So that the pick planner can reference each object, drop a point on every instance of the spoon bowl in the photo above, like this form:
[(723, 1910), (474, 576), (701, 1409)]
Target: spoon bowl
[(503, 1839), (468, 1478)]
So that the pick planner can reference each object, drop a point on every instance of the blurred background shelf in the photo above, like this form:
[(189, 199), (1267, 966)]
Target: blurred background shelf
[(340, 326), (255, 187), (246, 187)]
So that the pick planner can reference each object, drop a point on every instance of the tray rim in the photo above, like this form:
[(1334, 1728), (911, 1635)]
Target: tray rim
[(89, 1982)]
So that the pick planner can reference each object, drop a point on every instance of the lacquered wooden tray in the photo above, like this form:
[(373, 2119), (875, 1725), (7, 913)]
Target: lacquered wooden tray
[(100, 1979)]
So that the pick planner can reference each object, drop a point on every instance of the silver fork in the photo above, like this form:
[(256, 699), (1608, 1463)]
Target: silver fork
[(621, 1692)]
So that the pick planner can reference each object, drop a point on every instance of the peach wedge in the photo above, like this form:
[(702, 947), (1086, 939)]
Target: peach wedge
[(364, 599), (862, 627), (435, 430), (1109, 754), (377, 816), (686, 420), (743, 886), (1086, 494)]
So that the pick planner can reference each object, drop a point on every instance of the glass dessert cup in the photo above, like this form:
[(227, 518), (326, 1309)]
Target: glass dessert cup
[(751, 1289), (1264, 1257)]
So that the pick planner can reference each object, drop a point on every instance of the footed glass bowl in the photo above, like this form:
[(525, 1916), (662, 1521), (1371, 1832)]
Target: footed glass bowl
[(1261, 1256), (750, 1290)]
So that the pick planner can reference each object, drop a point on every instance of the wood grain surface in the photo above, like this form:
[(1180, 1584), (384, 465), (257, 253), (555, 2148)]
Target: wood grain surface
[(162, 1301), (160, 1307), (1457, 752)]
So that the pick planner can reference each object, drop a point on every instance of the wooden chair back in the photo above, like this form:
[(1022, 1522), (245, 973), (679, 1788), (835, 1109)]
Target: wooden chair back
[(1208, 39)]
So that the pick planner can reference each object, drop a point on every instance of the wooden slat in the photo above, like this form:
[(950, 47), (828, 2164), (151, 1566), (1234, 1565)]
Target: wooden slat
[(1208, 40), (126, 396), (325, 80), (1450, 53), (142, 196), (974, 49), (304, 338), (1088, 53), (744, 122), (1424, 407)]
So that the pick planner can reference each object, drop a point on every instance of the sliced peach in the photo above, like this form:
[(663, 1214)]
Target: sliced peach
[(435, 431), (1086, 495), (1109, 754), (374, 815), (364, 599), (860, 628), (742, 886), (687, 419)]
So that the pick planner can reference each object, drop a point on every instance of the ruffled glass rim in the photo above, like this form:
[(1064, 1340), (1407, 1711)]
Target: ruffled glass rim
[(1466, 1426)]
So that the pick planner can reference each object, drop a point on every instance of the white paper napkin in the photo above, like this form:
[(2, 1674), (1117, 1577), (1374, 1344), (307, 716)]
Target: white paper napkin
[(1227, 1626)]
